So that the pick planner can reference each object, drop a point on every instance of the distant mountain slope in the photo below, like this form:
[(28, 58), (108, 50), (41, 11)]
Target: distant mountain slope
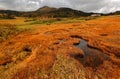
[(48, 12), (45, 9), (117, 13), (57, 12), (112, 13), (10, 12)]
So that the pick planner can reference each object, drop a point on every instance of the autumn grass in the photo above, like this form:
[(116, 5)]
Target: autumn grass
[(7, 30), (5, 69), (63, 68)]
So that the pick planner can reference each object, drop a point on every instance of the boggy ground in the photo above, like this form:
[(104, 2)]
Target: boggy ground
[(49, 52)]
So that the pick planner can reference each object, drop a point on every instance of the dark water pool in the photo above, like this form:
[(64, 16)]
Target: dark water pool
[(93, 57)]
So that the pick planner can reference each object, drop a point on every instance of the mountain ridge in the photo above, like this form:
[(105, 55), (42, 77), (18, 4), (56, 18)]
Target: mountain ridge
[(49, 12), (56, 12)]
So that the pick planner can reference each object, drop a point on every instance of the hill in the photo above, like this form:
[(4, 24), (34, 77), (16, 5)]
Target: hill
[(9, 14), (57, 12), (45, 9), (48, 12), (116, 13)]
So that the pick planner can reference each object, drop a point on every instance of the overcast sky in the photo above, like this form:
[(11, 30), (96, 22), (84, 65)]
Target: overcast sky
[(100, 6)]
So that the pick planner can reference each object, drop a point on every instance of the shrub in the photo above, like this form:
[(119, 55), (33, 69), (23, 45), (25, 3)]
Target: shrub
[(6, 30)]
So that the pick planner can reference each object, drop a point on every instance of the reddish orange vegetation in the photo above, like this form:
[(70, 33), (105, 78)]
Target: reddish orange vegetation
[(49, 40)]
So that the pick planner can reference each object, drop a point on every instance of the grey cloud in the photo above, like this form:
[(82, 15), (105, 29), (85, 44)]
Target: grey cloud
[(103, 6)]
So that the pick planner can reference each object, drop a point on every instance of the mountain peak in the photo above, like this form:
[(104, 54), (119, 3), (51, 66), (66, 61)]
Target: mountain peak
[(46, 9)]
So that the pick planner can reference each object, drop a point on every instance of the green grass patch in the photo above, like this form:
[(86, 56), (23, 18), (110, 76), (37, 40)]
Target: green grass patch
[(60, 20), (47, 22)]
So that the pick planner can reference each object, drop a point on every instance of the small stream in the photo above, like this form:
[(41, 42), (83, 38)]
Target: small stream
[(93, 57)]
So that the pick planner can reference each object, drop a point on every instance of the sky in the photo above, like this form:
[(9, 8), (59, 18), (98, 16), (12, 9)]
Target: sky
[(99, 6)]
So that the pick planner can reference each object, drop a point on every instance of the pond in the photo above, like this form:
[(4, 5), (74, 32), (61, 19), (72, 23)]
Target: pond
[(93, 57)]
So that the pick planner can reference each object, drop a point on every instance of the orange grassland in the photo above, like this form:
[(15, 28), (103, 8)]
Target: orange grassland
[(33, 54)]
